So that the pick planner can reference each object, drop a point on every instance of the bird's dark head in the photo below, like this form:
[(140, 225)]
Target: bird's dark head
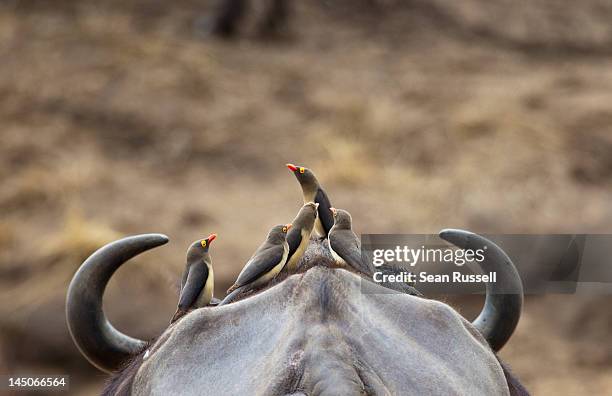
[(278, 233), (201, 246), (342, 218), (310, 209), (304, 175), (306, 217)]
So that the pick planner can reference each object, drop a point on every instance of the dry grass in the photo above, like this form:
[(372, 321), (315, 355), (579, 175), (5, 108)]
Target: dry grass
[(49, 265)]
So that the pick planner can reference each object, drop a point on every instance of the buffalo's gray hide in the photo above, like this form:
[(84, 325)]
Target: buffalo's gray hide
[(318, 333)]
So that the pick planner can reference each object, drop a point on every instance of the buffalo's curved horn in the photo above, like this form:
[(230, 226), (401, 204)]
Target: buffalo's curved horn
[(504, 298), (103, 345)]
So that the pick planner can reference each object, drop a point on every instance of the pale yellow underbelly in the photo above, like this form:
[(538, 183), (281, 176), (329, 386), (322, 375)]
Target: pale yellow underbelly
[(318, 227), (207, 293), (293, 261)]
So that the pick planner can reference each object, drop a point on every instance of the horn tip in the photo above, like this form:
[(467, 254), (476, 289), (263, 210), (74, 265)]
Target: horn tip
[(156, 239), (455, 236)]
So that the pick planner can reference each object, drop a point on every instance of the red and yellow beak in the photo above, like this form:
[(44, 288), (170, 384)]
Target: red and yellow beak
[(292, 167), (211, 237), (288, 226)]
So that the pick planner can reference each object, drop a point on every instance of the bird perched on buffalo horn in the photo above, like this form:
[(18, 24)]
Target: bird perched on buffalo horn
[(197, 285), (267, 261), (312, 192), (299, 235)]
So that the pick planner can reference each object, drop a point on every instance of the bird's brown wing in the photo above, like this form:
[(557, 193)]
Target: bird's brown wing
[(325, 215), (196, 279), (184, 279), (262, 261), (346, 244), (177, 315), (294, 238)]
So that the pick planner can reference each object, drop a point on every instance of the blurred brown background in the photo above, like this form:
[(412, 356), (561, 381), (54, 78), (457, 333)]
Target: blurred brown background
[(124, 117)]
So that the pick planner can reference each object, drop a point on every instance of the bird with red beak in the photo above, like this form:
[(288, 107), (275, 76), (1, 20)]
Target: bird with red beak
[(267, 261), (313, 192), (197, 285), (345, 248), (344, 244), (299, 235)]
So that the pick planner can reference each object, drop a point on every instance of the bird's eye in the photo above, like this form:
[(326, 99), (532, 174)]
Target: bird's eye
[(284, 229), (203, 242), (301, 169)]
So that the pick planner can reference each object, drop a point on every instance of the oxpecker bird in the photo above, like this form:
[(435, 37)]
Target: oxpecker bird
[(267, 261), (197, 285), (344, 245), (299, 235), (312, 191)]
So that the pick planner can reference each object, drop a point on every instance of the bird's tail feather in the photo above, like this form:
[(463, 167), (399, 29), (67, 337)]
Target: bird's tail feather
[(178, 314), (231, 289), (233, 293)]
